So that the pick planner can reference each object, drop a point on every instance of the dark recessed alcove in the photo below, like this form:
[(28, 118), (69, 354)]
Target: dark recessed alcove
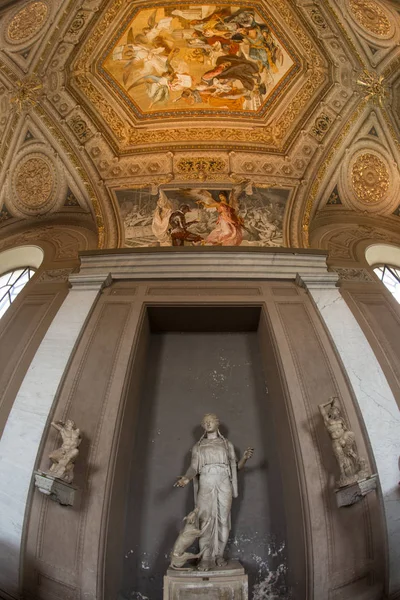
[(190, 360)]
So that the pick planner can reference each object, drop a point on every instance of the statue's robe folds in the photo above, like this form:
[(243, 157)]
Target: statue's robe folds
[(215, 468)]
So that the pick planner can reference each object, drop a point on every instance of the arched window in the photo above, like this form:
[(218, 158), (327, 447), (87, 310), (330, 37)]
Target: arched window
[(385, 260), (11, 284), (17, 266), (390, 276)]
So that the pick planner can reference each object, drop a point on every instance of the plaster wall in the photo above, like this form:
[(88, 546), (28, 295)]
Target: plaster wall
[(339, 552)]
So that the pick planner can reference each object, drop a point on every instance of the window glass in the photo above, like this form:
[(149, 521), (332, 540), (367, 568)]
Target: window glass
[(390, 276), (11, 284)]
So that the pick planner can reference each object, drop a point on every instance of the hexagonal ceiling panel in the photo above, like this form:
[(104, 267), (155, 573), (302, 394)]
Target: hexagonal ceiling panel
[(200, 58), (238, 74)]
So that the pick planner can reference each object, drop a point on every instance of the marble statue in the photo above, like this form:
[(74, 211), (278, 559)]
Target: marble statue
[(352, 467), (186, 538), (63, 458), (213, 470)]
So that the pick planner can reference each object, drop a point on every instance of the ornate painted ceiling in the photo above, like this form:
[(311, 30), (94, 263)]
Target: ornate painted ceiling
[(273, 122)]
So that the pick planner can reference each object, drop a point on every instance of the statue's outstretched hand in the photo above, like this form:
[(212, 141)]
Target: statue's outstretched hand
[(248, 453), (182, 481)]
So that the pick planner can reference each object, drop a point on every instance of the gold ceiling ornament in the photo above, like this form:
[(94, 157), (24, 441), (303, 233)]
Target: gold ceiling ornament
[(371, 16), (73, 157), (373, 86), (27, 92), (27, 22), (200, 167), (33, 183), (370, 178)]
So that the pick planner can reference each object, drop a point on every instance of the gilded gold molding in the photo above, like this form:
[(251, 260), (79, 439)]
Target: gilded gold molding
[(324, 167), (201, 167), (79, 169), (345, 34)]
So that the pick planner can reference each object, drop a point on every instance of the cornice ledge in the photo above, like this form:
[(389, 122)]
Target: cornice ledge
[(90, 281), (204, 265), (323, 281)]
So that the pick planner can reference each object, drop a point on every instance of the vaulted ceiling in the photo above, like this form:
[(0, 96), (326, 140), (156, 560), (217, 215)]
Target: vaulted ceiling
[(101, 96)]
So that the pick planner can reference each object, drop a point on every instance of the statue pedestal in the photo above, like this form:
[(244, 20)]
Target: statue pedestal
[(217, 584), (55, 489), (350, 494)]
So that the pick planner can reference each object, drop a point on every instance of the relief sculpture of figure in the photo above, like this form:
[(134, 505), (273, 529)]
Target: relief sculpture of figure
[(63, 458), (214, 471), (352, 467)]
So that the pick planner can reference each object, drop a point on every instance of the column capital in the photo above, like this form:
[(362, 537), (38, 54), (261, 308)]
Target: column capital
[(92, 281), (320, 281)]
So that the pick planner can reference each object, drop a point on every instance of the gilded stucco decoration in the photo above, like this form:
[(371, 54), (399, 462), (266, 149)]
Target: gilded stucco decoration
[(369, 178), (26, 92), (373, 86), (202, 167), (371, 16), (27, 22), (36, 185), (34, 182)]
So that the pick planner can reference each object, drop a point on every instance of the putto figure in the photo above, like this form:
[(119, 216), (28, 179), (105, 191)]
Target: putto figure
[(214, 471), (352, 467), (63, 458)]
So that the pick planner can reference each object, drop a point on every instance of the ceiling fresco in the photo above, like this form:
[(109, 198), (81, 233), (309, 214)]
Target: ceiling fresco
[(187, 64), (243, 215), (136, 109), (197, 58)]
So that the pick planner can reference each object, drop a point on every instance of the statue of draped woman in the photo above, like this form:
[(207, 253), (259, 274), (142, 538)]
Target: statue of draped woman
[(213, 470)]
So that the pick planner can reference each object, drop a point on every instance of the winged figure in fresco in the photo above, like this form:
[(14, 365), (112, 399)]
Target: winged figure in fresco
[(229, 225), (154, 29)]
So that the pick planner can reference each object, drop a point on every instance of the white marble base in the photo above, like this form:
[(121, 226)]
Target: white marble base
[(217, 584), (350, 494), (55, 489)]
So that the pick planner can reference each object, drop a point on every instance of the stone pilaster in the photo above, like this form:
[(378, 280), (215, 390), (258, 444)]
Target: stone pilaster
[(375, 399), (25, 426)]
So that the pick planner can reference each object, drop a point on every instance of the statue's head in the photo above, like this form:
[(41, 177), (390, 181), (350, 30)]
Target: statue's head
[(69, 424), (334, 412), (222, 197), (210, 423)]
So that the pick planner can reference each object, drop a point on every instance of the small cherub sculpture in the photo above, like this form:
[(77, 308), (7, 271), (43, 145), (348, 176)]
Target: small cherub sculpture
[(352, 467), (63, 458), (185, 539)]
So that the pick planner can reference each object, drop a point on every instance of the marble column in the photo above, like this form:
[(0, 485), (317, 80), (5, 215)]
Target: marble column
[(25, 426), (375, 399)]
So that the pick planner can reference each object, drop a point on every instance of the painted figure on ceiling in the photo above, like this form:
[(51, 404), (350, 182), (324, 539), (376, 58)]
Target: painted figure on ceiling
[(179, 228), (222, 59)]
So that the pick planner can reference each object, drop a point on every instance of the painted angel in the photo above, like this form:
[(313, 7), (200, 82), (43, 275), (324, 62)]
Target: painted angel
[(229, 225)]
